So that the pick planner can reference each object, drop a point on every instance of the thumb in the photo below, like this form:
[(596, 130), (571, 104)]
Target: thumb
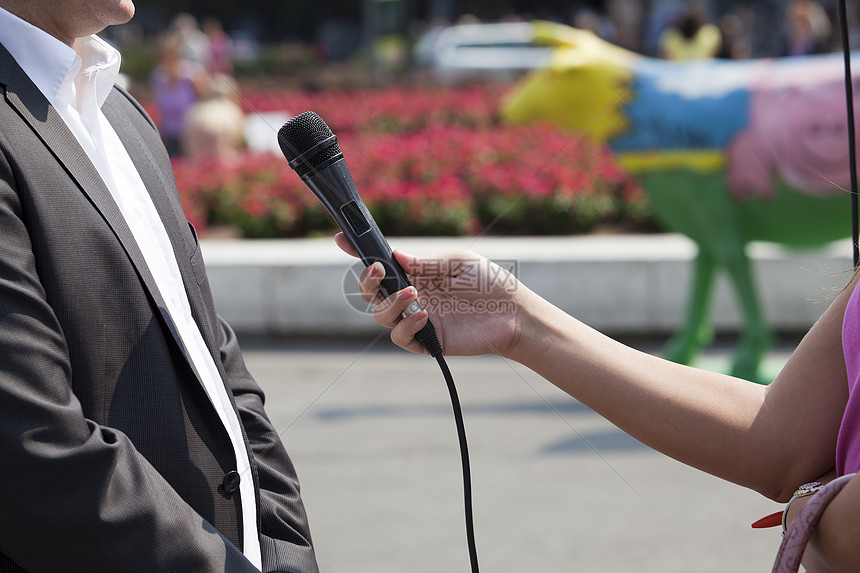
[(344, 244), (411, 264)]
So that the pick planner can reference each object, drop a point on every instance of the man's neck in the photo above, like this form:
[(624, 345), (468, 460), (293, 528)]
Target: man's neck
[(64, 22), (40, 16)]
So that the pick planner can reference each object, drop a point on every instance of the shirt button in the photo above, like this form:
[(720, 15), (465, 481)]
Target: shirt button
[(230, 483)]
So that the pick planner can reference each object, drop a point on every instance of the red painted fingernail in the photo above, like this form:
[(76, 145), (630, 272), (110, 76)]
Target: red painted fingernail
[(771, 520)]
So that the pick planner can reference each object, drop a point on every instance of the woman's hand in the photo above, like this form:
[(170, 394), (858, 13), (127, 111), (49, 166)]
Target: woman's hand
[(475, 305)]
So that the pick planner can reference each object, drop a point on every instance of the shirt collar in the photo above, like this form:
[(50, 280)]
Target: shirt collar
[(50, 63), (99, 65)]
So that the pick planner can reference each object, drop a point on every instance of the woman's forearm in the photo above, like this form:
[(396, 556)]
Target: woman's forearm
[(770, 439), (708, 420)]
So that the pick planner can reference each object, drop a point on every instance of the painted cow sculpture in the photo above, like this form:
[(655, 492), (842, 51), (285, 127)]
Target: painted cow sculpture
[(728, 152)]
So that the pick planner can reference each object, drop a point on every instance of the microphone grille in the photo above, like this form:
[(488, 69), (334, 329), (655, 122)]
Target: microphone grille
[(300, 134)]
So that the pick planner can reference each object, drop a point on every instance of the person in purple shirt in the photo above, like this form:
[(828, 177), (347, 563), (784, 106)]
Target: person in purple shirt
[(177, 84), (803, 427)]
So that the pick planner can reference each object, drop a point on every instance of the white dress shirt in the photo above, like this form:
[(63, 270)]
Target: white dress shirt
[(77, 81)]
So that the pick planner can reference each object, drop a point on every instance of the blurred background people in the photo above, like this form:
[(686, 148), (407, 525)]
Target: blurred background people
[(626, 18), (588, 19), (735, 44), (214, 126), (807, 29), (691, 36), (177, 84), (193, 43), (220, 46)]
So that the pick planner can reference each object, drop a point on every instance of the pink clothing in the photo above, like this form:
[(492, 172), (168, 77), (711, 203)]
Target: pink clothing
[(848, 444)]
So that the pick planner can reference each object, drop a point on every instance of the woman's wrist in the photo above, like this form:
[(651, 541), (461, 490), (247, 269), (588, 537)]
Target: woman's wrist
[(541, 328), (797, 501), (526, 339)]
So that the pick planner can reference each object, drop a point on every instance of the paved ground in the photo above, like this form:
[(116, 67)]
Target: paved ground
[(556, 488)]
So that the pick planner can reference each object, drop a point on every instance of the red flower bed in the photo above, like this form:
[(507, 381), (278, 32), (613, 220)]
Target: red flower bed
[(426, 163), (393, 109)]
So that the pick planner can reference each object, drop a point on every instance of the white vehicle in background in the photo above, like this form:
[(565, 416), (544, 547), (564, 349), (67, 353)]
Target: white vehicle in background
[(500, 51)]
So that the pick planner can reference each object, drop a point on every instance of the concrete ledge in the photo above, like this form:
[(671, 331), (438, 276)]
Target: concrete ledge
[(619, 284)]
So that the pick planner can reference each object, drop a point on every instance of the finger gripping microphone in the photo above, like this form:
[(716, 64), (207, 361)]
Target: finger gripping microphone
[(313, 152)]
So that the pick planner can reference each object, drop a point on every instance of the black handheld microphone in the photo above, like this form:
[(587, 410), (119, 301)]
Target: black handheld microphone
[(313, 152)]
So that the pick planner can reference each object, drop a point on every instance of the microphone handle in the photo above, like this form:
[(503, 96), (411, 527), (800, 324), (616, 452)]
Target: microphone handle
[(336, 190)]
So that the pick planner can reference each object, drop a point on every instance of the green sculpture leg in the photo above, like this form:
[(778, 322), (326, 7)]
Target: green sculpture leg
[(755, 338), (698, 205), (696, 331)]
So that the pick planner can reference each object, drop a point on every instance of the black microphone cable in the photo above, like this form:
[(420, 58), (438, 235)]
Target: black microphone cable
[(464, 452), (852, 147), (428, 338), (431, 343)]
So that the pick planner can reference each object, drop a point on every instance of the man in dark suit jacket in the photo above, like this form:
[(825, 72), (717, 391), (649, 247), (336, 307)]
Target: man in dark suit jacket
[(113, 458)]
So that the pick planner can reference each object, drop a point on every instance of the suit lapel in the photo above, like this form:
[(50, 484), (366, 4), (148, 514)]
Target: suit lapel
[(35, 109), (144, 146)]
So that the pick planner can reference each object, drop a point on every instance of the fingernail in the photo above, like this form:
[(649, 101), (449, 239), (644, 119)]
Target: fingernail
[(406, 293), (418, 316)]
